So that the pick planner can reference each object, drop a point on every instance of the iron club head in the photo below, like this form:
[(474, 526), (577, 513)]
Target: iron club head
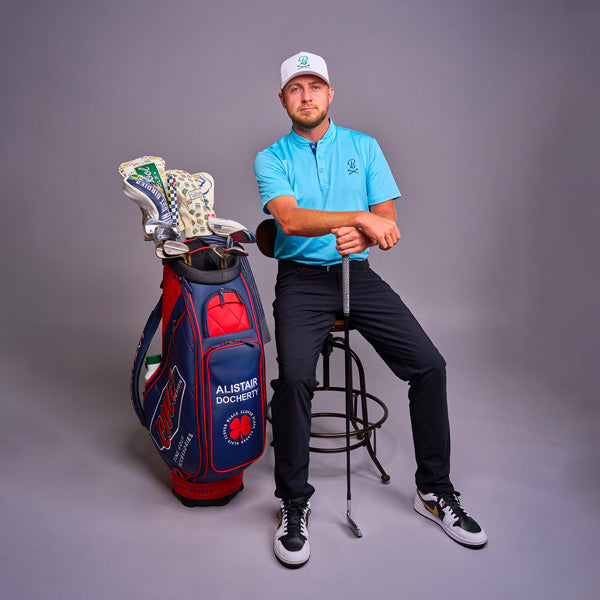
[(174, 248), (235, 251)]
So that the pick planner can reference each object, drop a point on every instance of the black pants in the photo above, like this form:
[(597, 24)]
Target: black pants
[(307, 302)]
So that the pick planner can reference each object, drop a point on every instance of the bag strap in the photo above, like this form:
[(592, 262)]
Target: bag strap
[(142, 349)]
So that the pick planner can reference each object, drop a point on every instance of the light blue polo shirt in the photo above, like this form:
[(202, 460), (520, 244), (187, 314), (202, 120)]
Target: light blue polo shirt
[(343, 171)]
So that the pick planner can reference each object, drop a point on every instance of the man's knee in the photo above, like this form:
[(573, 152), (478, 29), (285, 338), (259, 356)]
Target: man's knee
[(294, 383), (437, 361), (431, 363), (291, 403)]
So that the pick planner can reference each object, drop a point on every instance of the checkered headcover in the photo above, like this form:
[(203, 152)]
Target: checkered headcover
[(173, 203), (195, 195)]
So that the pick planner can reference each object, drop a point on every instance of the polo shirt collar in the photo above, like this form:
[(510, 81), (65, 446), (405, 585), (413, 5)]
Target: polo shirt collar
[(302, 141)]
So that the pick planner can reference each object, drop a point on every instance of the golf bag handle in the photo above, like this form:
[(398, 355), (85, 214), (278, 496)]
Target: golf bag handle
[(142, 349)]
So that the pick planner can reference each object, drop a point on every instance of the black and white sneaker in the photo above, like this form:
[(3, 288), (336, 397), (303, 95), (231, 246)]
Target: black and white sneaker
[(445, 510), (291, 545)]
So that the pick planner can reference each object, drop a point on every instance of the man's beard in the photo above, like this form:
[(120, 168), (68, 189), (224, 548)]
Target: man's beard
[(309, 122)]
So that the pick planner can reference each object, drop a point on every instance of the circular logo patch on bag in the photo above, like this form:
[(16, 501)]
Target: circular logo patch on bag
[(239, 427)]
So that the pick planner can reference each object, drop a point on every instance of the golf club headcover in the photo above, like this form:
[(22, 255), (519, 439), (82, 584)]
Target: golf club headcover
[(195, 197), (149, 199), (150, 168), (205, 405), (224, 227)]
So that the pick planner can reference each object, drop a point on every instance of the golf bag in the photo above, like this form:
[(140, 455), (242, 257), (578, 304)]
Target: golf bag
[(205, 405)]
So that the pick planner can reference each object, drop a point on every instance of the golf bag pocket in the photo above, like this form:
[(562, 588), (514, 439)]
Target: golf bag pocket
[(205, 406), (236, 415), (225, 313)]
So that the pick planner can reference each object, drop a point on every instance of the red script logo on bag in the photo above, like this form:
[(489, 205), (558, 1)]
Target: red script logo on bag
[(165, 421)]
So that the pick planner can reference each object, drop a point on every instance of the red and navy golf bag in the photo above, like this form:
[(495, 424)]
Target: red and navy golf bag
[(205, 405)]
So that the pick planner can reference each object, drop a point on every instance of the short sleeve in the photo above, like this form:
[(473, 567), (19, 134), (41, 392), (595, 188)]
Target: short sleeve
[(272, 177), (381, 185)]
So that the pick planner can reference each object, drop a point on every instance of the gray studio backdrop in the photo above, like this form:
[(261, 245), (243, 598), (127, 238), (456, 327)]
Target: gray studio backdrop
[(486, 110)]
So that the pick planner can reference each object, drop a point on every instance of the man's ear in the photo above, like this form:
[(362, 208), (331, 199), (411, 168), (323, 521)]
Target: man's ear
[(282, 99), (331, 93)]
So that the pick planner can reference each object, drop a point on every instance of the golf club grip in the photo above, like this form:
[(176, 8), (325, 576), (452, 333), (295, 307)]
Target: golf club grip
[(346, 284)]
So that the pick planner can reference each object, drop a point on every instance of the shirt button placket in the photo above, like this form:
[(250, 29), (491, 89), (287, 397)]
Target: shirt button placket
[(323, 175)]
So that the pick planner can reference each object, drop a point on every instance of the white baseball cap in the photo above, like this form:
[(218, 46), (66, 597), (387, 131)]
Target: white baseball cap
[(303, 63)]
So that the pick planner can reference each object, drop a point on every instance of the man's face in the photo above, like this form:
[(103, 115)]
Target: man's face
[(306, 99)]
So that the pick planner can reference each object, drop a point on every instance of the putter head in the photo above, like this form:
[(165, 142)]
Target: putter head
[(353, 526)]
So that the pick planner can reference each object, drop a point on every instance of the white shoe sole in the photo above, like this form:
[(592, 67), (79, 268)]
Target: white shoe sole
[(292, 560), (475, 542)]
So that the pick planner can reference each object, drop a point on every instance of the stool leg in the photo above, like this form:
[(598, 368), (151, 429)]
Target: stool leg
[(385, 478)]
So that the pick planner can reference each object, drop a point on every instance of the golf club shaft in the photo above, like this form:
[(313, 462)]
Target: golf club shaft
[(348, 370)]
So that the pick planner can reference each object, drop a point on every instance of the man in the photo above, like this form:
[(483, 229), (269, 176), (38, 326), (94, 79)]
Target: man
[(332, 193)]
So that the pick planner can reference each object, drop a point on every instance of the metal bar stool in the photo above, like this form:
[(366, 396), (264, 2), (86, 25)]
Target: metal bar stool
[(363, 428)]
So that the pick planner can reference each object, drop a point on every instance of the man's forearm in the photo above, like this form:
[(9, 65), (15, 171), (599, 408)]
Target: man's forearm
[(386, 209), (308, 222)]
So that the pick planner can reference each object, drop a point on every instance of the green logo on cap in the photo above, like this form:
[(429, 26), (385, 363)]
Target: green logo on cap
[(303, 62)]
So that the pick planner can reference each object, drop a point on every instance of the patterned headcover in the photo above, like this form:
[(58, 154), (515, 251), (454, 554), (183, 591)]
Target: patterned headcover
[(150, 168), (196, 198), (191, 197)]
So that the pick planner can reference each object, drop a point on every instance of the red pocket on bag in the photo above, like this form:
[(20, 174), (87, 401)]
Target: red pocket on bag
[(226, 313)]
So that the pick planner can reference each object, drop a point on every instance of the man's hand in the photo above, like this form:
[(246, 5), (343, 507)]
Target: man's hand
[(375, 227), (351, 240), (379, 225)]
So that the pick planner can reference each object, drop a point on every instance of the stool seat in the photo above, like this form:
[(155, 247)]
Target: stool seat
[(338, 325)]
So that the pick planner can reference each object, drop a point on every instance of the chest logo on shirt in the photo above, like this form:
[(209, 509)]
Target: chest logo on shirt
[(352, 168)]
